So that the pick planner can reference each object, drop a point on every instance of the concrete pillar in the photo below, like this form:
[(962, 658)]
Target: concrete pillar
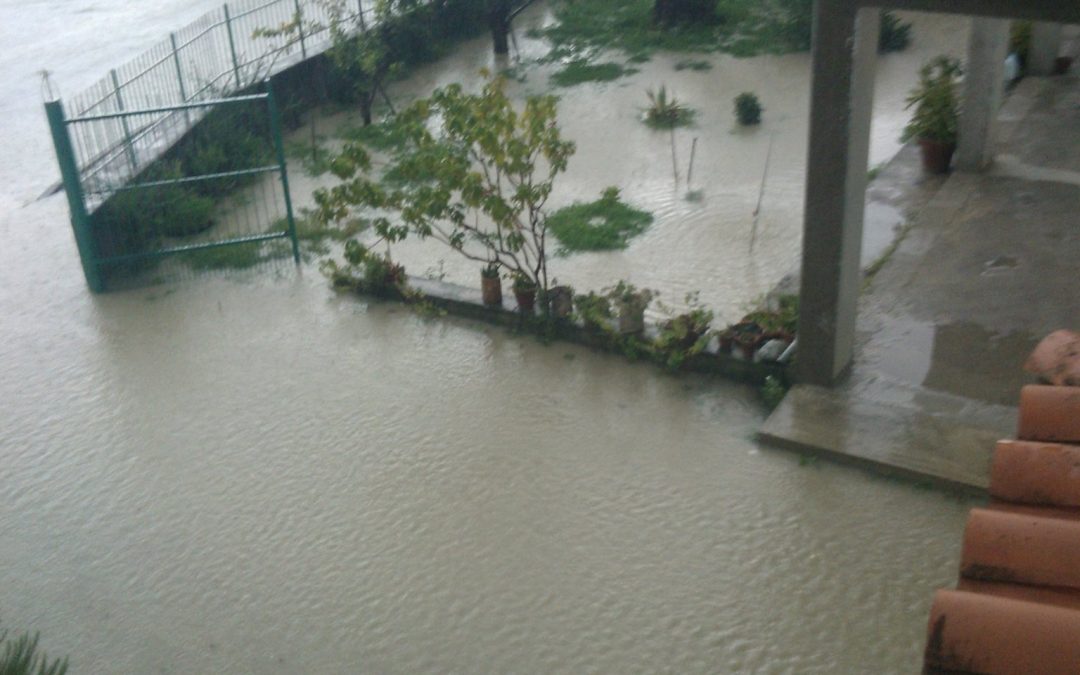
[(984, 81), (1045, 47), (845, 57)]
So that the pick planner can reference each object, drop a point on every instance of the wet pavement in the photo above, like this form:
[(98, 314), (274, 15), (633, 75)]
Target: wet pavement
[(986, 270)]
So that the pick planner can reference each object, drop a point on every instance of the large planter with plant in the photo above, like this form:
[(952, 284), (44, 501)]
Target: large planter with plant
[(630, 302), (561, 301), (491, 286), (936, 117), (524, 293)]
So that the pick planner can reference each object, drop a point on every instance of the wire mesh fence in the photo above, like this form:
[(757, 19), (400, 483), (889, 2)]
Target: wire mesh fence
[(221, 53)]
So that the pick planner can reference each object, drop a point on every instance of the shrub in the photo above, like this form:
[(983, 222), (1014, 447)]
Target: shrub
[(748, 109), (895, 35), (666, 112)]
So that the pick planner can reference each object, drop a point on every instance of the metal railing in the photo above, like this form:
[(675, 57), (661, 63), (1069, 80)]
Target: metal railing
[(217, 55)]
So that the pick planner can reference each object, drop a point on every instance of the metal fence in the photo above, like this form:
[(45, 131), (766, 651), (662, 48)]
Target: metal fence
[(217, 55), (144, 185)]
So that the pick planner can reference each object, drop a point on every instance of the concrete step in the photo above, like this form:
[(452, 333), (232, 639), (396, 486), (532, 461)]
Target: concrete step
[(894, 429)]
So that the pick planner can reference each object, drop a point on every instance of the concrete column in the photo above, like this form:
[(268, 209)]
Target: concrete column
[(845, 57), (1045, 47), (983, 85)]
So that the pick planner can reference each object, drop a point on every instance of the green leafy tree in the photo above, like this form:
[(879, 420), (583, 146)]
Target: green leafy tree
[(475, 175)]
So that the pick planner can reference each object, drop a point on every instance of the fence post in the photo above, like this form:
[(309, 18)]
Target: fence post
[(279, 148), (123, 122), (232, 47), (179, 70), (69, 172), (300, 28), (363, 22)]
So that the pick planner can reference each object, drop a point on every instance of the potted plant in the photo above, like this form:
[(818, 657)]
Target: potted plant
[(595, 311), (742, 338), (561, 301), (524, 292), (935, 120), (631, 303), (491, 285)]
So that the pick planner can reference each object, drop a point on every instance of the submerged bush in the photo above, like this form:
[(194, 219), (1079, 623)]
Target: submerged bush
[(747, 108)]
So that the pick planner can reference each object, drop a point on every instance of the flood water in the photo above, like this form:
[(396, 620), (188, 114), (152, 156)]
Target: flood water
[(740, 234), (253, 474)]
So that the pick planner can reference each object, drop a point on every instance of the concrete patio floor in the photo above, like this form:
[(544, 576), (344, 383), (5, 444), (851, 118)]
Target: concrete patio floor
[(985, 270)]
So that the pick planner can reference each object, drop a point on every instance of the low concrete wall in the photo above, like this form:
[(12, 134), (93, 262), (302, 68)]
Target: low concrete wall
[(466, 302)]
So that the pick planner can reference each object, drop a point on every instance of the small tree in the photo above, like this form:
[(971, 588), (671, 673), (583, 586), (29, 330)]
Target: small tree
[(475, 175)]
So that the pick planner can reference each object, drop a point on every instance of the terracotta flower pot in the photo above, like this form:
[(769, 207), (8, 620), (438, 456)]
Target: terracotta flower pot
[(526, 299), (936, 155), (631, 319), (491, 291)]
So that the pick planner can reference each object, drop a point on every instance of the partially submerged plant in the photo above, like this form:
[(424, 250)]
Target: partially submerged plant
[(666, 112), (631, 303), (748, 108), (594, 310), (685, 334)]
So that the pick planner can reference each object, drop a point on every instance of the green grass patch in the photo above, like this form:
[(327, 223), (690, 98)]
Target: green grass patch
[(603, 225), (580, 71), (236, 256), (740, 27)]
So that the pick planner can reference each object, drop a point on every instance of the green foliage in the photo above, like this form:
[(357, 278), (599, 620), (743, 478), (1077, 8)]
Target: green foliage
[(468, 156), (895, 35), (594, 310), (20, 656), (366, 270), (772, 392), (684, 335), (780, 315), (748, 108), (580, 70), (795, 22), (522, 283), (584, 26), (936, 102), (603, 225), (233, 256), (628, 298), (666, 112)]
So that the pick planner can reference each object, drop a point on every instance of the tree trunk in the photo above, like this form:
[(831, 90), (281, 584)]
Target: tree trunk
[(365, 107)]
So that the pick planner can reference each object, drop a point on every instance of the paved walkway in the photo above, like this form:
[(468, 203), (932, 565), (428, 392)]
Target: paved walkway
[(986, 269)]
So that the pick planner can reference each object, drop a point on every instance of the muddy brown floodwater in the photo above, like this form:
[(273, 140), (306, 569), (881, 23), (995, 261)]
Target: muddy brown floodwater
[(255, 475), (713, 244)]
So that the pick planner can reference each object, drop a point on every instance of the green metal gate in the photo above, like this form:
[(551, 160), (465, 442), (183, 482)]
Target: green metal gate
[(184, 180)]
